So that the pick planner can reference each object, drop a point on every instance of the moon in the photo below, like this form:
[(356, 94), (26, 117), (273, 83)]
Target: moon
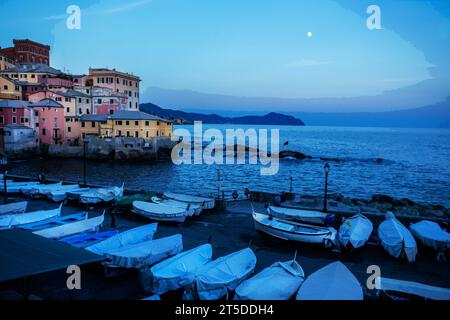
[(309, 34)]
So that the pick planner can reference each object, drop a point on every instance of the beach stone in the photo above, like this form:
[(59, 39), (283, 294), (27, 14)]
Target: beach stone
[(293, 154), (404, 202), (438, 213), (382, 198)]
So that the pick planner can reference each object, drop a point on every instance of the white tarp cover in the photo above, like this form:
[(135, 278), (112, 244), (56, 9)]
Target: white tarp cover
[(332, 282), (176, 272), (69, 229), (206, 203), (158, 209), (415, 288), (355, 230), (15, 187), (13, 220), (38, 188), (280, 281), (431, 234), (214, 280), (101, 195), (126, 238), (298, 214), (145, 253), (191, 209), (61, 194), (395, 238), (15, 207)]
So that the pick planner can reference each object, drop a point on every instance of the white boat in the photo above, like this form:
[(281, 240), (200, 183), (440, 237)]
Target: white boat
[(355, 231), (15, 187), (14, 207), (290, 230), (396, 238), (126, 238), (159, 212), (192, 209), (14, 220), (55, 221), (177, 271), (65, 230), (99, 195), (75, 195), (308, 216), (332, 282), (204, 202), (145, 253), (402, 290), (431, 235), (280, 281), (60, 194), (38, 189), (221, 276)]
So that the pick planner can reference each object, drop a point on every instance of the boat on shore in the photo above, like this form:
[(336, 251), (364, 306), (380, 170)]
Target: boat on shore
[(355, 231), (290, 230), (204, 202), (280, 281), (60, 194), (65, 230), (192, 209), (394, 289), (16, 187), (160, 212), (88, 239), (431, 235), (14, 207), (55, 221), (36, 191), (101, 195), (396, 239), (221, 276), (332, 282), (15, 220), (299, 215)]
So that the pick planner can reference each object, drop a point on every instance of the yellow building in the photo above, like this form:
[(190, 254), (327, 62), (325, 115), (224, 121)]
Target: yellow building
[(126, 124), (10, 89), (6, 63)]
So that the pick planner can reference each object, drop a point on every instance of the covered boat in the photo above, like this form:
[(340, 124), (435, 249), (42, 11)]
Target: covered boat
[(192, 209), (290, 230), (38, 189), (126, 238), (14, 207), (100, 195), (217, 278), (308, 216), (65, 230), (16, 187), (176, 272), (408, 290), (396, 238), (88, 239), (60, 194), (160, 212), (332, 282), (55, 221), (204, 202), (76, 194), (14, 220), (431, 235), (280, 281), (355, 231), (145, 253)]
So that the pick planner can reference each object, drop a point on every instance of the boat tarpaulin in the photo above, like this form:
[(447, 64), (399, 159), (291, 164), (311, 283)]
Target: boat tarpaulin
[(13, 220), (15, 207), (414, 288), (332, 282), (310, 216), (431, 234), (355, 230), (70, 229)]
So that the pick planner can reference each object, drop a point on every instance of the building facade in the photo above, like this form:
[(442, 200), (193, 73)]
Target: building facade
[(27, 51), (50, 121)]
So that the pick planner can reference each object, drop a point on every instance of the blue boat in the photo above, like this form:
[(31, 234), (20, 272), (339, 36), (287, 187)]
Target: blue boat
[(87, 239), (55, 221)]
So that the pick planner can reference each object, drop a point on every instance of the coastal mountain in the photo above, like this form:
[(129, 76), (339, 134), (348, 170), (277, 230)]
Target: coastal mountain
[(271, 118)]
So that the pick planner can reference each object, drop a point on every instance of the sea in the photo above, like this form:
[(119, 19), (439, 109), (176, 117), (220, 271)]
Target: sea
[(413, 163)]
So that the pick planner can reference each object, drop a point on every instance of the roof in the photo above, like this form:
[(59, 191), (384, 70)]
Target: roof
[(47, 103), (106, 71), (135, 115), (94, 117), (17, 126), (71, 93), (33, 68), (14, 104)]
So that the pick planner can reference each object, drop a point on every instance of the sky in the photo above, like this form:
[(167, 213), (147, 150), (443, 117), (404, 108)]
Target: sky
[(297, 54)]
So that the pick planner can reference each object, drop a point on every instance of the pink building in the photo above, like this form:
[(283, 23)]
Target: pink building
[(51, 121), (15, 112)]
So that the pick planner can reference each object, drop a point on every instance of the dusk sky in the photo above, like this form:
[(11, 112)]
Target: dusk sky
[(252, 48)]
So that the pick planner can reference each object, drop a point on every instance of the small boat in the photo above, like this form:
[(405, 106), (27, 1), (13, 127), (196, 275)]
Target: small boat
[(65, 230), (154, 297), (192, 209), (88, 239), (38, 189), (100, 195), (14, 207), (177, 271), (300, 215), (60, 194), (75, 195), (395, 289), (159, 212), (332, 282), (280, 281), (431, 235), (355, 231), (144, 253), (123, 239), (221, 276), (14, 220), (54, 222), (290, 230), (204, 202), (15, 187), (396, 238)]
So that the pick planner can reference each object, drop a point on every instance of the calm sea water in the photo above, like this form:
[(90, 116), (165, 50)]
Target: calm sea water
[(416, 165)]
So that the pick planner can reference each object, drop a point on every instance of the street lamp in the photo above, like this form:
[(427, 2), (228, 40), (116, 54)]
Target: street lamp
[(326, 168), (4, 164)]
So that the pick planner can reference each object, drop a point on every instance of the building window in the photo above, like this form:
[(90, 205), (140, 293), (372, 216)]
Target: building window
[(147, 123), (111, 101), (14, 120), (99, 101), (111, 111), (118, 123), (136, 105), (136, 134), (43, 132), (127, 123), (69, 129), (5, 87), (67, 99), (93, 124), (128, 133), (14, 110), (82, 124), (146, 134), (79, 100), (80, 111), (67, 109), (87, 100), (2, 120), (136, 123)]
